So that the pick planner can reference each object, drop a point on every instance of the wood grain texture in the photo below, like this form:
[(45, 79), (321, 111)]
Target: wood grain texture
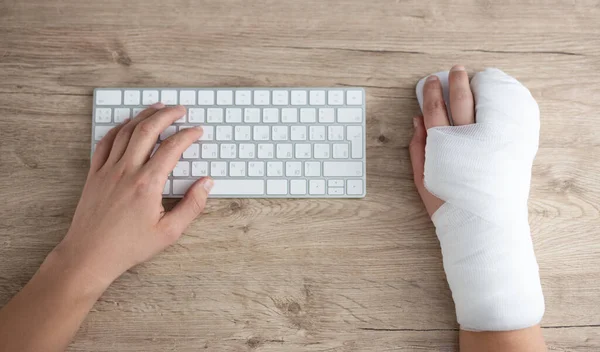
[(299, 275)]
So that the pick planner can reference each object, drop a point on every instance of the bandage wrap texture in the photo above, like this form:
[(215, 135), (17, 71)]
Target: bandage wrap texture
[(482, 171)]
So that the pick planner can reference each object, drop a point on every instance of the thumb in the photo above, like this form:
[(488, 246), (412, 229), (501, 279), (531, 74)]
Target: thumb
[(417, 151), (188, 209)]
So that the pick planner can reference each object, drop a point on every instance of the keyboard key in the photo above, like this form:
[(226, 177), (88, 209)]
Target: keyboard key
[(237, 168), (206, 97), (228, 151), (262, 97), (238, 188), (354, 97), (298, 97), (312, 169), (262, 133), (182, 169), (131, 97), (256, 168), (289, 115), (108, 97), (335, 133), (247, 151), (321, 151), (275, 169), (187, 97), (233, 115), (340, 151), (101, 131), (121, 114), (308, 115), (103, 115), (167, 188), (342, 168), (192, 152), (280, 97), (349, 115), (280, 133), (277, 187), (354, 135), (303, 151), (224, 97), (293, 168), (335, 191), (355, 187), (243, 97), (317, 187), (168, 97), (326, 115), (149, 97), (265, 151), (335, 183), (208, 133), (196, 115), (209, 151), (168, 132), (199, 168), (317, 133), (298, 133), (214, 115), (270, 115), (251, 115), (284, 151), (317, 97), (181, 186), (224, 133), (242, 133), (218, 168), (335, 97), (298, 187)]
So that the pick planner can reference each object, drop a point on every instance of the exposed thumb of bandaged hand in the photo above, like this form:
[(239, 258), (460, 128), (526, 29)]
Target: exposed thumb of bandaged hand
[(483, 171)]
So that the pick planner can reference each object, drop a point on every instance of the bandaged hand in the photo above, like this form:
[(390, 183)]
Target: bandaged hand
[(472, 163)]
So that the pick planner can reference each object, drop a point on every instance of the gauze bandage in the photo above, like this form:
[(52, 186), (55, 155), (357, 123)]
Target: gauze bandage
[(482, 171)]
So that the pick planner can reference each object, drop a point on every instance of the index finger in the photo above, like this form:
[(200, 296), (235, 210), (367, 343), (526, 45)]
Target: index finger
[(434, 107)]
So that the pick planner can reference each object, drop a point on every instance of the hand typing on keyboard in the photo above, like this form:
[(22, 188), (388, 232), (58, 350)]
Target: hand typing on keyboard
[(120, 220)]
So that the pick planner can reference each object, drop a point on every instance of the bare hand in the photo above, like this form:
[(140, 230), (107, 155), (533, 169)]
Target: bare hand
[(120, 220), (435, 114)]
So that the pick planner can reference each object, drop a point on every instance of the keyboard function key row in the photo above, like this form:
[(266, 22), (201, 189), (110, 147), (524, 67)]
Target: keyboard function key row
[(277, 97)]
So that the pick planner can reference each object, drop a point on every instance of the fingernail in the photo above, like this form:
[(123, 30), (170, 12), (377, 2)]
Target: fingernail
[(457, 68), (208, 184), (157, 105), (432, 78), (415, 122)]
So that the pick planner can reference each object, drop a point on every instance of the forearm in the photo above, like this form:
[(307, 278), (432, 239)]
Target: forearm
[(48, 311), (524, 340)]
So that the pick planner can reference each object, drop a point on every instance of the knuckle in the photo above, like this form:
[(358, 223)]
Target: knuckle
[(462, 95), (146, 128), (143, 183), (197, 203), (433, 106)]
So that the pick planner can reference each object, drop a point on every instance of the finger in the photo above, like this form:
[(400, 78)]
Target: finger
[(146, 133), (169, 152), (434, 108), (461, 97), (103, 148), (417, 159), (124, 135), (192, 205), (417, 151)]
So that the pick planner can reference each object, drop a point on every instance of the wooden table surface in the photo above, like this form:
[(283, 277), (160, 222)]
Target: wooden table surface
[(299, 275)]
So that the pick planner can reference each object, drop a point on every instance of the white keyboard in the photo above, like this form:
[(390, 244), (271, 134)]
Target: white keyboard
[(257, 142)]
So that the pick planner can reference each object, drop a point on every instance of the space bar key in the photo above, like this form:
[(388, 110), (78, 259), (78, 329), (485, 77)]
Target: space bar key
[(238, 187)]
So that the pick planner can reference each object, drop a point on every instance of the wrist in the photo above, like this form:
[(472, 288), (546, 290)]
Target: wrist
[(63, 264)]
